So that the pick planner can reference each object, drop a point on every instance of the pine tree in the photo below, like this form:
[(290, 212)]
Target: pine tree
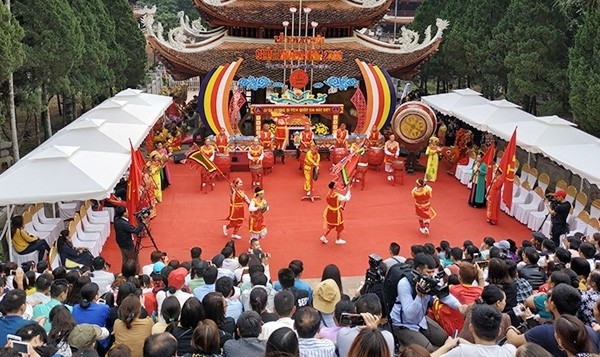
[(11, 48)]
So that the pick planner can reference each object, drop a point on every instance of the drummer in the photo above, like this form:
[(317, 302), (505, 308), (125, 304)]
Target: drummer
[(266, 137), (374, 135), (391, 150), (222, 141), (256, 155), (341, 136)]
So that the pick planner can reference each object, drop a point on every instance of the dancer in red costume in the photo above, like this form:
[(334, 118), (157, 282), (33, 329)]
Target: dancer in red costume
[(281, 133), (258, 207), (256, 155), (266, 138), (494, 196), (222, 141), (237, 200), (425, 213), (341, 135), (374, 136), (208, 150), (391, 150), (306, 139), (332, 216)]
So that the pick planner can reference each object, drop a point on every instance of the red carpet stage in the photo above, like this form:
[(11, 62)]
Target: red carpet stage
[(380, 214)]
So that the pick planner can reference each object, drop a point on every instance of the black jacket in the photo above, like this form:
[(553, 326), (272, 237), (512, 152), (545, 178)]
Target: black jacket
[(533, 274), (123, 230)]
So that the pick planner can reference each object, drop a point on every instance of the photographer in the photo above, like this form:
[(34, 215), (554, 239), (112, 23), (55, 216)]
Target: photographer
[(415, 296), (123, 231), (559, 211)]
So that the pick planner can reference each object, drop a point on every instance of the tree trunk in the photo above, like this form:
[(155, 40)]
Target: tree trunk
[(46, 113), (13, 118)]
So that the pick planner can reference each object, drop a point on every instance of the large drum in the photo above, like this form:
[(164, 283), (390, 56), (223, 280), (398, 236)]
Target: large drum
[(268, 160), (414, 123), (339, 154), (375, 156), (223, 162)]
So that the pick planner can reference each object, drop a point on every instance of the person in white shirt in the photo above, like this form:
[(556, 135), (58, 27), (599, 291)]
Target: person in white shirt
[(176, 281), (395, 256), (103, 278), (485, 325), (42, 290), (307, 322), (285, 308)]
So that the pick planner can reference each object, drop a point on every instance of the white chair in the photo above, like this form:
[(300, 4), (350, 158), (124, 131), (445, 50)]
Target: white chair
[(40, 212), (535, 219), (523, 210), (45, 231), (578, 206), (84, 240), (516, 192), (461, 170), (96, 217), (22, 258), (544, 181), (532, 177), (111, 213), (100, 225), (593, 227), (579, 223), (595, 208), (524, 172), (67, 210), (525, 196)]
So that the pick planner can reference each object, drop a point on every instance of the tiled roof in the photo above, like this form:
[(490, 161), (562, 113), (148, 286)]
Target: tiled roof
[(271, 14), (189, 63)]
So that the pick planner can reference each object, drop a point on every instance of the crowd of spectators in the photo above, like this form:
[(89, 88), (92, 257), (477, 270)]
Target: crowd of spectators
[(489, 299)]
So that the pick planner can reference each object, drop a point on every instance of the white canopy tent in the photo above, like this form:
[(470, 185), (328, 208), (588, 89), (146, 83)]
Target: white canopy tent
[(87, 158), (552, 136), (493, 112), (447, 102)]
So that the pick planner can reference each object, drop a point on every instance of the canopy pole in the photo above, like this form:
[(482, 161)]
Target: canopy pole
[(54, 209), (9, 231)]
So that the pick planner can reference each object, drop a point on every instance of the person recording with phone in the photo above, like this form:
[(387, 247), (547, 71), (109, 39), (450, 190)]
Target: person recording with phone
[(415, 296), (123, 231), (559, 211)]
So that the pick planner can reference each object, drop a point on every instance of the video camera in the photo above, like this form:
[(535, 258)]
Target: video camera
[(142, 214), (431, 285), (375, 273), (551, 199)]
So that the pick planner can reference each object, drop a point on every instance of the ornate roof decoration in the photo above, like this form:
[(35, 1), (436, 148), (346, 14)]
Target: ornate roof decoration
[(297, 97), (189, 51), (269, 14), (139, 11)]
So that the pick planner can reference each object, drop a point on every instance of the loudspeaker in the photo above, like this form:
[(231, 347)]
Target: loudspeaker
[(179, 157)]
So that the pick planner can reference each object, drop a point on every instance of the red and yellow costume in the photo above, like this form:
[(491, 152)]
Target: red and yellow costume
[(373, 139), (311, 161), (237, 201), (391, 150), (281, 133), (422, 195), (209, 152), (258, 207), (266, 138), (332, 215), (222, 141), (441, 133), (341, 135), (494, 197), (255, 157), (306, 139)]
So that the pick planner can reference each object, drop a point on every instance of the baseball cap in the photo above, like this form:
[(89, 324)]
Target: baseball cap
[(158, 267), (326, 295), (84, 335), (177, 277), (560, 193), (503, 244)]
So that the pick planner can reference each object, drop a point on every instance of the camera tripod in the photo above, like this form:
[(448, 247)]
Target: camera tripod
[(144, 232)]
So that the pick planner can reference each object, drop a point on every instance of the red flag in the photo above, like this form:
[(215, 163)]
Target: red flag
[(507, 165), (133, 183), (488, 158)]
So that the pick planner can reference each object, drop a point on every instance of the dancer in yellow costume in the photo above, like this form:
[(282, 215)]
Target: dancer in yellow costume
[(433, 155), (311, 162)]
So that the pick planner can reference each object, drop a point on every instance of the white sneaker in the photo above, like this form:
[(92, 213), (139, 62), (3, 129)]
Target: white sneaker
[(308, 193), (426, 230), (213, 184), (340, 241), (235, 236), (324, 239), (225, 230), (389, 178), (204, 185), (422, 230)]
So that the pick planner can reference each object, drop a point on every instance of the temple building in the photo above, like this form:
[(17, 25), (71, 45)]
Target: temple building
[(268, 34)]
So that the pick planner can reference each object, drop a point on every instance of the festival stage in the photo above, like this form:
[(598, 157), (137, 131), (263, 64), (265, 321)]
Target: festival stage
[(373, 218)]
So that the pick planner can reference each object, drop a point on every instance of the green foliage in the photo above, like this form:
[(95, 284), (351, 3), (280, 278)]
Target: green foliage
[(11, 48), (584, 74), (535, 37), (53, 42), (130, 45), (166, 11)]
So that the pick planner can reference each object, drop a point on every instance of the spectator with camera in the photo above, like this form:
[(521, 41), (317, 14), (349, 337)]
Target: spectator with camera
[(415, 296), (559, 211), (123, 231), (531, 271), (369, 308), (563, 299)]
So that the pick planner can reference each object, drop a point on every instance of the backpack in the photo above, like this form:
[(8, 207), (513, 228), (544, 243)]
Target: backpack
[(390, 285)]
